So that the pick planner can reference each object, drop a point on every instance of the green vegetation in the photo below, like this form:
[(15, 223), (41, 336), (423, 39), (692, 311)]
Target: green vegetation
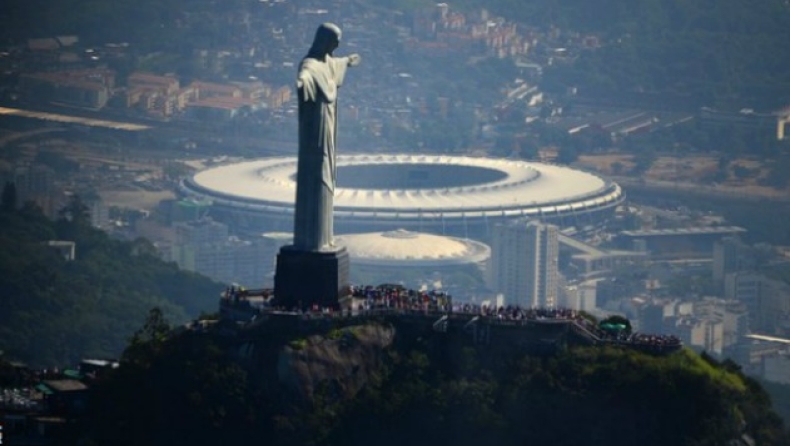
[(334, 334), (431, 389), (298, 344), (182, 390), (56, 312)]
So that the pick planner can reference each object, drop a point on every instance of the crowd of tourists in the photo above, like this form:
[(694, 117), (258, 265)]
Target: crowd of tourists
[(393, 299), (516, 313), (655, 341), (626, 337), (396, 297)]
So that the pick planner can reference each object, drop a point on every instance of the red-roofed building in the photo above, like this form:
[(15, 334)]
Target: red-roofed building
[(169, 84), (210, 90), (82, 88)]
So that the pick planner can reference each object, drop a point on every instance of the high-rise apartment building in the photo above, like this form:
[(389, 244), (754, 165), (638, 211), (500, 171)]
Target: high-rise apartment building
[(745, 287), (730, 255), (524, 263), (767, 300), (204, 246), (201, 231), (732, 313)]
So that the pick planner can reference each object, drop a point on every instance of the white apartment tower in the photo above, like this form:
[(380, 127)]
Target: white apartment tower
[(730, 255), (524, 257)]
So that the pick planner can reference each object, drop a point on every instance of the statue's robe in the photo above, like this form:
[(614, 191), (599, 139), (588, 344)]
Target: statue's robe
[(317, 84)]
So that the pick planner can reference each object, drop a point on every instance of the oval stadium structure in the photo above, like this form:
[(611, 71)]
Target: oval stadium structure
[(412, 257), (429, 193), (400, 249)]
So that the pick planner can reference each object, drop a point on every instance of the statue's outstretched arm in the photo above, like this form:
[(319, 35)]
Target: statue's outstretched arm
[(354, 60)]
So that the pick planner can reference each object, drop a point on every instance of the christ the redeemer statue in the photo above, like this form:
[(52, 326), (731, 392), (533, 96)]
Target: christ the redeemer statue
[(313, 270), (320, 76)]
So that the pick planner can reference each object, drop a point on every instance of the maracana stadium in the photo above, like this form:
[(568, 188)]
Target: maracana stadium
[(450, 195)]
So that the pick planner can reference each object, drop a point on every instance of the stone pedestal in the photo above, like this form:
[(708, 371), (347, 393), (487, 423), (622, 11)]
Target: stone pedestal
[(305, 278)]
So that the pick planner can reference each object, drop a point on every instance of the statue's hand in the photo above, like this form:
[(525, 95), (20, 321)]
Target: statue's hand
[(354, 60), (304, 83), (301, 79)]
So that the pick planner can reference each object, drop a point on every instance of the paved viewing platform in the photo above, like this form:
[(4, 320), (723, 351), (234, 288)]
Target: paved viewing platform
[(437, 309)]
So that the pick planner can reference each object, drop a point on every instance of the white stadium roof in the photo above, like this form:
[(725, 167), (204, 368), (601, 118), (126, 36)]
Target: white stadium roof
[(432, 185), (413, 249)]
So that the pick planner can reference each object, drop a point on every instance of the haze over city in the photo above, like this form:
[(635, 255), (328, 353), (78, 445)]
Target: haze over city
[(513, 161)]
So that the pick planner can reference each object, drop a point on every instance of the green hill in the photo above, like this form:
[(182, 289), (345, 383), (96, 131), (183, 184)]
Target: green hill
[(391, 384), (55, 312)]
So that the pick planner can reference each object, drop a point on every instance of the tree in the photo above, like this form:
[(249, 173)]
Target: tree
[(155, 329), (76, 211), (148, 340), (93, 304)]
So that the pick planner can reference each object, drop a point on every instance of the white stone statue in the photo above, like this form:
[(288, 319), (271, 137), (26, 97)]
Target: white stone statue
[(320, 76)]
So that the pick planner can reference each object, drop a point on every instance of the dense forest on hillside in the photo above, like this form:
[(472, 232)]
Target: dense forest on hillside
[(428, 389), (53, 312), (711, 52)]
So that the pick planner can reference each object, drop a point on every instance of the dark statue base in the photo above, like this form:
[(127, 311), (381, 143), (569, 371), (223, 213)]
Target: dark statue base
[(307, 278)]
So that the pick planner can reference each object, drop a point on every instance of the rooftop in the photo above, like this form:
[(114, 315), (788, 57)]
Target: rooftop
[(414, 186), (406, 248)]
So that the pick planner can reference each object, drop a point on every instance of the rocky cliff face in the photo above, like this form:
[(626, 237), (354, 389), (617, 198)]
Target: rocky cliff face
[(338, 364)]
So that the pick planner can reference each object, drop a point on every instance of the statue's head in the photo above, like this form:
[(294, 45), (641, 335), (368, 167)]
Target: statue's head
[(327, 38)]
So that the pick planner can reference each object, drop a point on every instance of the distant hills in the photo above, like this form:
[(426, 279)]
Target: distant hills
[(721, 53)]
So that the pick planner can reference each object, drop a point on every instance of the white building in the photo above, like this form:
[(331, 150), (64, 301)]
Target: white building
[(707, 335), (200, 231), (579, 296), (767, 300), (524, 263), (99, 212), (730, 255), (732, 313), (204, 246), (65, 248), (235, 261)]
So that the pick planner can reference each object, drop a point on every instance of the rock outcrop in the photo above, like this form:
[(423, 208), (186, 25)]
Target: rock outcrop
[(338, 364)]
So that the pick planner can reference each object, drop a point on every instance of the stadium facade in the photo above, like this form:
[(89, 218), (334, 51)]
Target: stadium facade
[(449, 195)]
